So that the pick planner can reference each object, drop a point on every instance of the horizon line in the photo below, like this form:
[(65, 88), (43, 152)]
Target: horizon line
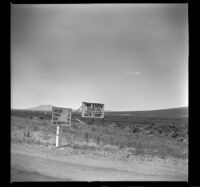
[(108, 109)]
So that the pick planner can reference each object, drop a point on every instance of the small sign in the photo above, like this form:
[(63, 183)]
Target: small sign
[(61, 116), (92, 110)]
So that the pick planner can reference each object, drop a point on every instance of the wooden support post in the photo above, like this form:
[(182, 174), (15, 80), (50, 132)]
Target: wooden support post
[(58, 136), (102, 121)]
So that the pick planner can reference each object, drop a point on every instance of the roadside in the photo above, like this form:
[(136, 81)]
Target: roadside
[(65, 163)]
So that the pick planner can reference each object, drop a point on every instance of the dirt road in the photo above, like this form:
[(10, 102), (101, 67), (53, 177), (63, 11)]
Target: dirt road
[(33, 164)]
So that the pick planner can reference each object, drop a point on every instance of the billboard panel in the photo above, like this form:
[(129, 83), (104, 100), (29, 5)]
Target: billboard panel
[(92, 110), (61, 116)]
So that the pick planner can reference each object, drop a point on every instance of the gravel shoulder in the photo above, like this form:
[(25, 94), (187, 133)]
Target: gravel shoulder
[(40, 163)]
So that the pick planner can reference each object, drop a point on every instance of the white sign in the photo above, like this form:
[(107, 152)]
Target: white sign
[(92, 110), (61, 116)]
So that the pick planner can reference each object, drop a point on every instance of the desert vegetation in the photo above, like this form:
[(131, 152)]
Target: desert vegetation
[(144, 136)]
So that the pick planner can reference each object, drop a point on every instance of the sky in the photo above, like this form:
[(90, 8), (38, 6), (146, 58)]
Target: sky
[(127, 56)]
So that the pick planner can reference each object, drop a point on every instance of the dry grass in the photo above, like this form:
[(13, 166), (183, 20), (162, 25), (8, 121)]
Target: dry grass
[(102, 139)]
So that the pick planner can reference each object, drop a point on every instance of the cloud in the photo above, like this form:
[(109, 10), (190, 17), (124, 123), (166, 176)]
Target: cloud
[(150, 22), (137, 73), (128, 72)]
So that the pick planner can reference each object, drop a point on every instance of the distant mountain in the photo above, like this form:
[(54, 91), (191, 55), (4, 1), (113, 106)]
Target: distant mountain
[(41, 108)]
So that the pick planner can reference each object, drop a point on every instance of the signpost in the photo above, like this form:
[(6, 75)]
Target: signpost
[(60, 117)]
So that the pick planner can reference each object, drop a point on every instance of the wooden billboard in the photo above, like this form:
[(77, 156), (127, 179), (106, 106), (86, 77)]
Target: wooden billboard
[(92, 110), (61, 116)]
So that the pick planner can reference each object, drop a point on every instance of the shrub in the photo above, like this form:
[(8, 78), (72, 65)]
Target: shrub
[(27, 134), (174, 134), (139, 152), (35, 128), (75, 126), (86, 136), (93, 128), (97, 139), (121, 145), (46, 144), (37, 142), (134, 130)]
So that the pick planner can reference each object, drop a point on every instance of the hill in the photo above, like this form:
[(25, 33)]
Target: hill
[(168, 113), (181, 112), (171, 112)]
